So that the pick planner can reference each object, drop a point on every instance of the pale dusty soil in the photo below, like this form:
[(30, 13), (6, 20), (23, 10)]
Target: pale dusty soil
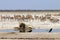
[(29, 36)]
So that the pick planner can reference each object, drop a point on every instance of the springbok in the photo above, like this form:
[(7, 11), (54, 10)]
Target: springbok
[(54, 20)]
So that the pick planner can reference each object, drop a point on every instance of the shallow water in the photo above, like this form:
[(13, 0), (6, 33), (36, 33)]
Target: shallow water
[(46, 30), (34, 30)]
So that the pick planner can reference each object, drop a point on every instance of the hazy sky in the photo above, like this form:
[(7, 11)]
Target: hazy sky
[(30, 4)]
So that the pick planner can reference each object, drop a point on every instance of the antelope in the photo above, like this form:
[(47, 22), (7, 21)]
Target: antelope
[(29, 17), (43, 18), (54, 20), (17, 17)]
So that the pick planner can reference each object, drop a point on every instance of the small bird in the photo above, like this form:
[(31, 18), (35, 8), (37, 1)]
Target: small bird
[(50, 30)]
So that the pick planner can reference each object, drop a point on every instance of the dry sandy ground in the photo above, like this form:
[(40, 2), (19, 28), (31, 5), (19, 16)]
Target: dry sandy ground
[(29, 36)]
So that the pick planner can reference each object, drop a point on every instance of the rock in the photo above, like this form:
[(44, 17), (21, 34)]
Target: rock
[(23, 28)]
